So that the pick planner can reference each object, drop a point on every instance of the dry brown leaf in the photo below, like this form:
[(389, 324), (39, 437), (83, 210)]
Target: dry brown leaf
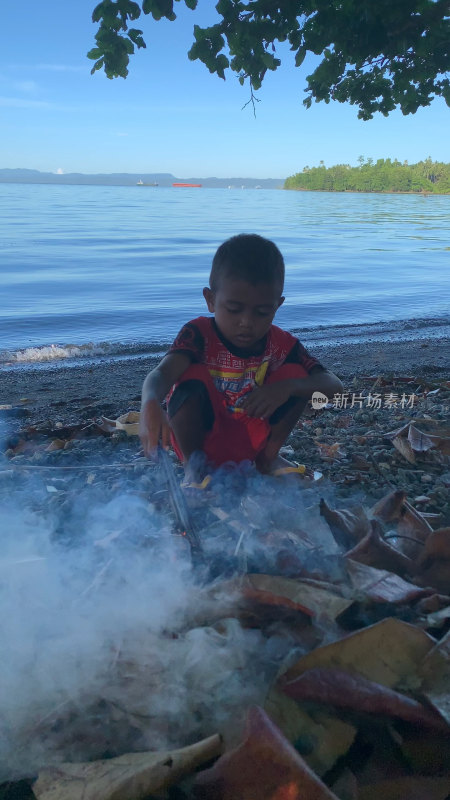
[(129, 777), (389, 508), (412, 522), (404, 448), (56, 444), (346, 786), (435, 672), (320, 740), (437, 546), (426, 755), (374, 551), (437, 619), (409, 440), (265, 766), (435, 602), (436, 576), (349, 691), (128, 422), (380, 586), (394, 507), (410, 788), (312, 600), (331, 451), (389, 653), (348, 526)]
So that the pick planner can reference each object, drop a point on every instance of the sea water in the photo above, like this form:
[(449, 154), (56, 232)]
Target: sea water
[(115, 270)]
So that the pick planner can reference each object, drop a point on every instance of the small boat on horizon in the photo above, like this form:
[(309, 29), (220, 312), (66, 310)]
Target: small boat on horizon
[(141, 183), (196, 185)]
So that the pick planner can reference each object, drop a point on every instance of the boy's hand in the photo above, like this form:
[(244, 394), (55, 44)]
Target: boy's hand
[(153, 427), (263, 401)]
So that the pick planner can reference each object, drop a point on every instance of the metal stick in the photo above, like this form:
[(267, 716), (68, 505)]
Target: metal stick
[(179, 503)]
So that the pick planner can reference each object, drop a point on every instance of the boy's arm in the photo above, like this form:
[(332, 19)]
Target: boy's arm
[(153, 425), (318, 380), (264, 400)]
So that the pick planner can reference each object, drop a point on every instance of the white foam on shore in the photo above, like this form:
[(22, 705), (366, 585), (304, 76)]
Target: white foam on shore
[(389, 330), (54, 352)]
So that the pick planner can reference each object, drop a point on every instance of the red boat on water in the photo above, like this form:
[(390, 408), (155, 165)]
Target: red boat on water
[(196, 185)]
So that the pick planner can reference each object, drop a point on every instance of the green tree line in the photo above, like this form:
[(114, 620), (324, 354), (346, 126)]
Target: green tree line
[(383, 175)]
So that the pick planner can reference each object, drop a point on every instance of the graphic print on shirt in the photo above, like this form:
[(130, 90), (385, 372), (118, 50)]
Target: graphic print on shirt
[(234, 375)]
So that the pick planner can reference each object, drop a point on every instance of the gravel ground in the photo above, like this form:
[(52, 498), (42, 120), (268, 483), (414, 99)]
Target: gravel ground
[(345, 442)]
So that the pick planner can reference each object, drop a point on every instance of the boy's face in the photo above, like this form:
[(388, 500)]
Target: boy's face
[(243, 312)]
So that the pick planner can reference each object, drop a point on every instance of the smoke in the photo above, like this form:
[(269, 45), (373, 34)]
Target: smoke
[(108, 644)]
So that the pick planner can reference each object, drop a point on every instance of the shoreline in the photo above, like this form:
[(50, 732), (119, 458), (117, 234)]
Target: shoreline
[(423, 193), (113, 387)]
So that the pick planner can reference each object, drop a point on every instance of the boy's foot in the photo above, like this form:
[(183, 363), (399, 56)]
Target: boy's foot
[(194, 484), (279, 466), (196, 471)]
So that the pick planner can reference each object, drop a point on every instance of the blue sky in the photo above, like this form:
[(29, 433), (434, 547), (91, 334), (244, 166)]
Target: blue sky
[(171, 114)]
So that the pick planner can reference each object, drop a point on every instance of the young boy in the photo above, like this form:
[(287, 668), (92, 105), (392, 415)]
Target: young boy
[(235, 384)]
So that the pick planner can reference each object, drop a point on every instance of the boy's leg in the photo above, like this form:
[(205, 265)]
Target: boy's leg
[(191, 417), (188, 424), (282, 422), (269, 459)]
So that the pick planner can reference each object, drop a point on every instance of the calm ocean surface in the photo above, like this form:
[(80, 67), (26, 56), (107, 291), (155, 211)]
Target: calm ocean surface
[(92, 270)]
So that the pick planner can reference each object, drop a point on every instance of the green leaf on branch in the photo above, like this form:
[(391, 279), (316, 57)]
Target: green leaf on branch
[(96, 52), (98, 65), (376, 56)]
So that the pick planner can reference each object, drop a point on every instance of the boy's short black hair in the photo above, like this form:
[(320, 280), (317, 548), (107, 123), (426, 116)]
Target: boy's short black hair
[(248, 257)]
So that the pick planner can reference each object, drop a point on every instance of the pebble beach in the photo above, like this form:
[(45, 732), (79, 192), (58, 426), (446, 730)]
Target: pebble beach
[(346, 442)]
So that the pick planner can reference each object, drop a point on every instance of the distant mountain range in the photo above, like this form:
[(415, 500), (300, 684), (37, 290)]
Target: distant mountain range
[(131, 179)]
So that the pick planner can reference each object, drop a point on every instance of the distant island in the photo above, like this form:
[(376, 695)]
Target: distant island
[(154, 179), (384, 175)]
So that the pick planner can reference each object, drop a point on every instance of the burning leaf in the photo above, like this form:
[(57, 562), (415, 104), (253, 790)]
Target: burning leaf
[(128, 777), (389, 652), (380, 586), (352, 692), (410, 788), (347, 526), (374, 551), (264, 766)]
